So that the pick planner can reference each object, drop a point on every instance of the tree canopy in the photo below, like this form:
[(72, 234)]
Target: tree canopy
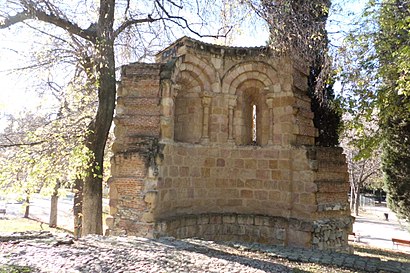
[(375, 73)]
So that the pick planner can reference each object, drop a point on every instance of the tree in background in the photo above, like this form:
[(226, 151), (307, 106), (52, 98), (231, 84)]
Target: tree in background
[(39, 153), (363, 172), (393, 48), (297, 29), (396, 164), (375, 71)]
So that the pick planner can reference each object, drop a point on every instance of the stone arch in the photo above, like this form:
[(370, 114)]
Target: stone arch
[(243, 71), (251, 115), (248, 81), (194, 78), (201, 69), (187, 101)]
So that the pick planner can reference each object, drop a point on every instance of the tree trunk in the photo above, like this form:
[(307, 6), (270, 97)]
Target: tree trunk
[(92, 207), (27, 207), (100, 127), (78, 207), (54, 206)]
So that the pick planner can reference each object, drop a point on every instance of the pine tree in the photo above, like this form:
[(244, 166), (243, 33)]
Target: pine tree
[(396, 164), (392, 46)]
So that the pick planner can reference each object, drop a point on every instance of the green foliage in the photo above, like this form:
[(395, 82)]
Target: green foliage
[(393, 48), (396, 163), (327, 114), (296, 27), (373, 63), (375, 72), (40, 149), (15, 269)]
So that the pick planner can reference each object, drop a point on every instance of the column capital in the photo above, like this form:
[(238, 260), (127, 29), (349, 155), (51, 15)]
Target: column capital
[(176, 88), (269, 102), (206, 98), (232, 101), (166, 88)]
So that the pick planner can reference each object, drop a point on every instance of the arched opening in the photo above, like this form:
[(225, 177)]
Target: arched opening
[(187, 117), (251, 115)]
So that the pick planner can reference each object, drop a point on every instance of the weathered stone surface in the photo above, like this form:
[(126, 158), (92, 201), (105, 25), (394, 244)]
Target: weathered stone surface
[(218, 142)]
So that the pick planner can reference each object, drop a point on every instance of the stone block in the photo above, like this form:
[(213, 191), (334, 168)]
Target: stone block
[(263, 174), (253, 184), (220, 162), (247, 194), (261, 194), (246, 220), (229, 219), (276, 175), (215, 219)]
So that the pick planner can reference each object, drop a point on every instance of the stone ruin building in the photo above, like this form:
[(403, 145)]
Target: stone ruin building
[(218, 143)]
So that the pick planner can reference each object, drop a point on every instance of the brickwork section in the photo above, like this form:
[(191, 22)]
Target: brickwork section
[(224, 179), (218, 143)]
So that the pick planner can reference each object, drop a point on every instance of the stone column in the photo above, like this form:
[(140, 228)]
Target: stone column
[(206, 103), (168, 96), (269, 102), (231, 107)]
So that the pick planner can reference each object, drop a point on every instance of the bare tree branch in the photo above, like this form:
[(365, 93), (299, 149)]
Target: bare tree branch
[(21, 144), (129, 23), (34, 13), (18, 18), (185, 24), (178, 6)]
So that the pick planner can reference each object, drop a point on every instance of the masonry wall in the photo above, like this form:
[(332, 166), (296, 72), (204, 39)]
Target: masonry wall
[(188, 160)]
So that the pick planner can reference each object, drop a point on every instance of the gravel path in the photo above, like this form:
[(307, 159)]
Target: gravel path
[(47, 253), (131, 254)]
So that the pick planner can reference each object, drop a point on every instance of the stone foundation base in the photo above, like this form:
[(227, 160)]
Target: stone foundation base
[(332, 234), (236, 227)]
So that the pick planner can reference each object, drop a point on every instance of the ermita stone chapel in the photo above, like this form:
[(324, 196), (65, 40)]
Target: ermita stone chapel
[(218, 143)]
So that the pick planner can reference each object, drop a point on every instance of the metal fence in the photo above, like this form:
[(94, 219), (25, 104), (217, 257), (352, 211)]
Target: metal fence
[(366, 201)]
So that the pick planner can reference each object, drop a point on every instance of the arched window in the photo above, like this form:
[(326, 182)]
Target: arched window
[(187, 112), (251, 115), (254, 124)]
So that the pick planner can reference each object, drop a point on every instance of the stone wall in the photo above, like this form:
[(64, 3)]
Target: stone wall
[(218, 142)]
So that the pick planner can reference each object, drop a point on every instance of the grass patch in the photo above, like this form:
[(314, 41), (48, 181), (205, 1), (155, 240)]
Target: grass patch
[(383, 254), (15, 269), (21, 225)]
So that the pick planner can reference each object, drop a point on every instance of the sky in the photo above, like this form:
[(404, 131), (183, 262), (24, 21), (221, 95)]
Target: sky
[(16, 92)]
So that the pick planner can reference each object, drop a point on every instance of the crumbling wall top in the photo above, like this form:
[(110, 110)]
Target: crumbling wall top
[(189, 44)]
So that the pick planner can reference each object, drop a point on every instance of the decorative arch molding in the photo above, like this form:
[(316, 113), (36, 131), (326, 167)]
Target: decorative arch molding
[(201, 69), (252, 114), (189, 80), (248, 70), (250, 83), (194, 77)]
